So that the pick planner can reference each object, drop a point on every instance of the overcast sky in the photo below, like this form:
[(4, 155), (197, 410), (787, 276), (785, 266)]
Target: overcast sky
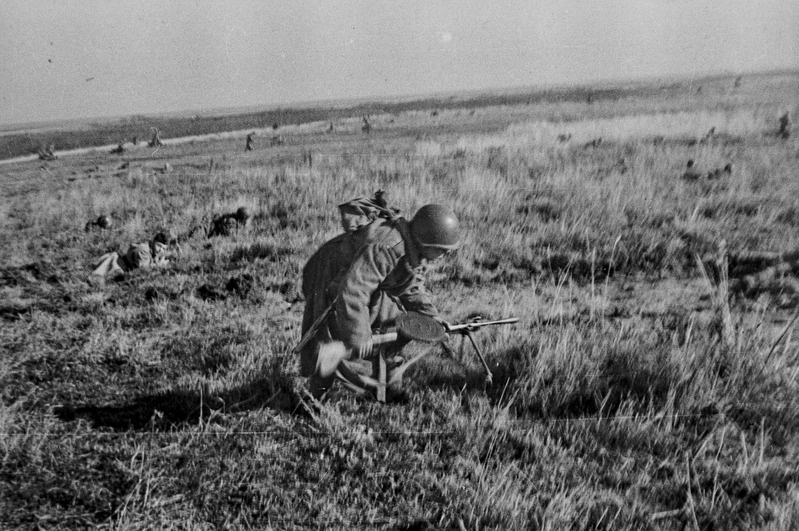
[(73, 59)]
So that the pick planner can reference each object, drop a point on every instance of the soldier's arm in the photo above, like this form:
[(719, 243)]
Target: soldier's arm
[(416, 298), (352, 306)]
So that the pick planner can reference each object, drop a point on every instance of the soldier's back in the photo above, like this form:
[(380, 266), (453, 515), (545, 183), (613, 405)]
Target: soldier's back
[(337, 254), (138, 256)]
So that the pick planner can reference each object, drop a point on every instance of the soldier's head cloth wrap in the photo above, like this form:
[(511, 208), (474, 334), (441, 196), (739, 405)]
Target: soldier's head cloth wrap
[(361, 211)]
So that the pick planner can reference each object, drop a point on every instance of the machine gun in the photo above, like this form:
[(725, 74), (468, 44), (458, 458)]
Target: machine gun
[(409, 327)]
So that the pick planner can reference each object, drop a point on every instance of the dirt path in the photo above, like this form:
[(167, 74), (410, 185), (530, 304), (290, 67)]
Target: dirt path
[(168, 142)]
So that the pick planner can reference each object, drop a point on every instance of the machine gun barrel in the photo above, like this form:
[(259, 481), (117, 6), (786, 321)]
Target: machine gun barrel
[(464, 327)]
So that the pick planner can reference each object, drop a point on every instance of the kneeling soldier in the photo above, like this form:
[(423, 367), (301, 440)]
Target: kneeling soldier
[(362, 280)]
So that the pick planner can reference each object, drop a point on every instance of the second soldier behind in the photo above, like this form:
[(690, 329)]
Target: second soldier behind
[(230, 224)]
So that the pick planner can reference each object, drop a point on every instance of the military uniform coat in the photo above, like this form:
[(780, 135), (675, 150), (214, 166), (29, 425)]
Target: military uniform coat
[(368, 276)]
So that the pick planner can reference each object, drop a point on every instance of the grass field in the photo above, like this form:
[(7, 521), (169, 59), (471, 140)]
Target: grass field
[(639, 391)]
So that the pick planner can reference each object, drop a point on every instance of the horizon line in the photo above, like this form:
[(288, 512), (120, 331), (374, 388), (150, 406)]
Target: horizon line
[(11, 127)]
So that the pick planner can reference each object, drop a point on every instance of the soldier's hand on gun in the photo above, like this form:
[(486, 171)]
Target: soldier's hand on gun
[(447, 327), (364, 350), (446, 324)]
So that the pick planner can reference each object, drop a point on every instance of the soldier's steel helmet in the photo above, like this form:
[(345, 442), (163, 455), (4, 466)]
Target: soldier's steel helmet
[(436, 226), (242, 214), (164, 237), (104, 222)]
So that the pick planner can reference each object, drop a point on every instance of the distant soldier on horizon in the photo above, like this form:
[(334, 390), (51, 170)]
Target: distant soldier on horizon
[(593, 143), (709, 136), (366, 127), (690, 173), (785, 125), (307, 157), (720, 172), (155, 139), (248, 147), (48, 153)]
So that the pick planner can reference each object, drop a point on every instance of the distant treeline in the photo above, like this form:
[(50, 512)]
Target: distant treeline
[(99, 134)]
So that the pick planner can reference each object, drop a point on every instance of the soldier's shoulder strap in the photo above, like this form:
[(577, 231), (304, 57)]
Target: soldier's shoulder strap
[(314, 328), (411, 252)]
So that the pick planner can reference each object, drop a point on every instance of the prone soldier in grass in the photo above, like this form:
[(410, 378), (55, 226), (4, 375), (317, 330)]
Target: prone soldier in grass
[(362, 280), (143, 255), (229, 224), (102, 222)]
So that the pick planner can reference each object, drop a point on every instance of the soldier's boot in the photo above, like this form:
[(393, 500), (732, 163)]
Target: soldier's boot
[(384, 363), (318, 386), (395, 389), (387, 375)]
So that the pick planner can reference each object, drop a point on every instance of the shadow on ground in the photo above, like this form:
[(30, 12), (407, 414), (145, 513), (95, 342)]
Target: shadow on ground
[(163, 411), (462, 372)]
